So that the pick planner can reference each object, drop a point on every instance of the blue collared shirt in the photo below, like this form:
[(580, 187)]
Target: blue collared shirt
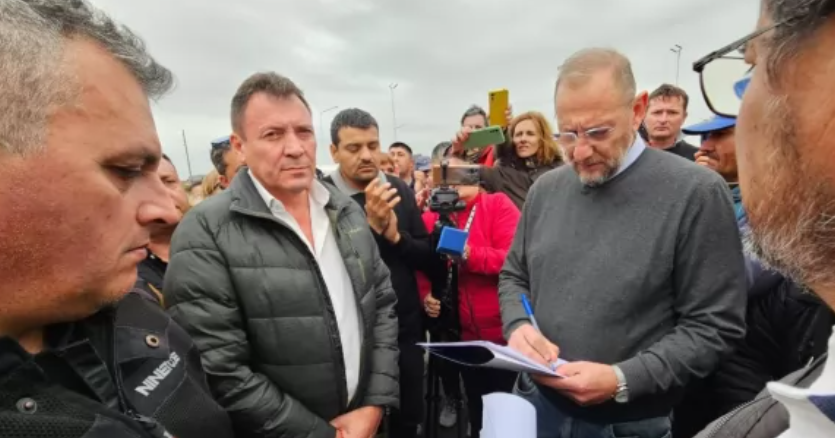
[(635, 151)]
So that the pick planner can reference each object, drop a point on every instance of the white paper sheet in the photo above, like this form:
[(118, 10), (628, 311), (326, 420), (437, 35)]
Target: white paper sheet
[(489, 355), (508, 416)]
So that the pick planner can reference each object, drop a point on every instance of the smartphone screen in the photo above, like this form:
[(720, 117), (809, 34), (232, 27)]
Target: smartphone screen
[(457, 175)]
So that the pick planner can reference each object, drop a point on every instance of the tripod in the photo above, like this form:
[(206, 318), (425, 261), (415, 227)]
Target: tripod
[(433, 400), (445, 328)]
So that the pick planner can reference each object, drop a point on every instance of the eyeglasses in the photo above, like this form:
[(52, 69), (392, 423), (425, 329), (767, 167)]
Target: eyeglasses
[(724, 75), (569, 138)]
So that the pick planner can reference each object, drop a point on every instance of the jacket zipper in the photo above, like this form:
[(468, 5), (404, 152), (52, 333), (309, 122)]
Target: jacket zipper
[(725, 418), (717, 426), (333, 328)]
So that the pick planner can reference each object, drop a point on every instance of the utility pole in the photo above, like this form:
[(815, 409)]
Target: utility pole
[(188, 158), (392, 86), (677, 50), (321, 120)]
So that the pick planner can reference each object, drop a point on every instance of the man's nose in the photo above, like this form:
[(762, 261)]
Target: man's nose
[(366, 154), (293, 146), (582, 151), (157, 206)]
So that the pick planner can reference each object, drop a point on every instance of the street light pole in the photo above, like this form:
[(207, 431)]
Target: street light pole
[(322, 117), (677, 50), (392, 86), (188, 158)]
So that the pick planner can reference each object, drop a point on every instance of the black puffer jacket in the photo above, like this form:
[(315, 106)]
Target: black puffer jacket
[(512, 175), (788, 327), (252, 296), (127, 371)]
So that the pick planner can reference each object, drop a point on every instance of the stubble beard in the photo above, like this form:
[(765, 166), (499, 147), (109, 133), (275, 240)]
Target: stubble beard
[(792, 227)]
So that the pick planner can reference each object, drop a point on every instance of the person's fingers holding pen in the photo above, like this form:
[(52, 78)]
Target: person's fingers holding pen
[(530, 342)]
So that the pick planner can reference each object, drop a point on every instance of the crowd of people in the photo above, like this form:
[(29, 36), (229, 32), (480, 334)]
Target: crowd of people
[(689, 288)]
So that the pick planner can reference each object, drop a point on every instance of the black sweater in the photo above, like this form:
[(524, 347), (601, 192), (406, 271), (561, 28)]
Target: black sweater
[(413, 252)]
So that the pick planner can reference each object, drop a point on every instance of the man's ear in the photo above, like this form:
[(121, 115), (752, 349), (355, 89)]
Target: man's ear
[(237, 143), (334, 150), (639, 109)]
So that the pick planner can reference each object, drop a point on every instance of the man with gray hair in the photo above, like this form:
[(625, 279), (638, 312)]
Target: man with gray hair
[(662, 229), (784, 147), (80, 356)]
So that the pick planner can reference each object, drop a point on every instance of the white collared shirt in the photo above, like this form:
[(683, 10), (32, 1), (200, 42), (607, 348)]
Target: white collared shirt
[(333, 270), (811, 411)]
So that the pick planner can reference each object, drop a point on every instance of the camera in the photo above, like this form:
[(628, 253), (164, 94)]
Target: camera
[(444, 199)]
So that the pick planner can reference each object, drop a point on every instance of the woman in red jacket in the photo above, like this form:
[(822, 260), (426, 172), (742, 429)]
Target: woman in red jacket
[(493, 219)]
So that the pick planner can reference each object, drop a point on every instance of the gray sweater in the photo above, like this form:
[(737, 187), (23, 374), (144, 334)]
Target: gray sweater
[(645, 272)]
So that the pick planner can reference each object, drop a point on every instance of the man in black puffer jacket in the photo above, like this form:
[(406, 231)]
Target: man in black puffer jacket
[(79, 153), (279, 281)]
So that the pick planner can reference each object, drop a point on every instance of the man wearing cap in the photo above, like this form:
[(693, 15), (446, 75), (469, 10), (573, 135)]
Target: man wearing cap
[(718, 153), (226, 160)]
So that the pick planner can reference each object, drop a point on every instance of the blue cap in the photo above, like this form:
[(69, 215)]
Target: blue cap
[(221, 141), (717, 123), (422, 163)]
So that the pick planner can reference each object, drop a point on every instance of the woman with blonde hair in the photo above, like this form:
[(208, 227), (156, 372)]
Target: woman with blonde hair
[(211, 184), (529, 152)]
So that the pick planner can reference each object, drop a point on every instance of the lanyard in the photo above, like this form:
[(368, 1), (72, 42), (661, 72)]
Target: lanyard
[(449, 278), (470, 219)]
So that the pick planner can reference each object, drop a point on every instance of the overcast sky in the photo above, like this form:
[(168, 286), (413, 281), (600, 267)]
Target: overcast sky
[(444, 55)]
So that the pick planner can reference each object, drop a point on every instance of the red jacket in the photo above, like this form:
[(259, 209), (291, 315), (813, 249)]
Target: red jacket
[(491, 234)]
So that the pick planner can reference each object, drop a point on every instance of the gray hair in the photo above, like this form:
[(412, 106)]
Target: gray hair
[(800, 20), (351, 118), (580, 67), (33, 34), (270, 83)]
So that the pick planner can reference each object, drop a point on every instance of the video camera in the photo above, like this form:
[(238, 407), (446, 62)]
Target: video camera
[(444, 199)]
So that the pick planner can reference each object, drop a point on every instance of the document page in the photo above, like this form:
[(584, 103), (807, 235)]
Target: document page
[(489, 355)]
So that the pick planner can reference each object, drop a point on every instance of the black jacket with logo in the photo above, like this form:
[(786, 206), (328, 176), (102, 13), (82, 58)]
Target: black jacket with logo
[(127, 371)]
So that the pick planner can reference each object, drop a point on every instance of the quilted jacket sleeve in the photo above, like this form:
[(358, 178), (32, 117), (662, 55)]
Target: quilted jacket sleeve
[(383, 387), (202, 299)]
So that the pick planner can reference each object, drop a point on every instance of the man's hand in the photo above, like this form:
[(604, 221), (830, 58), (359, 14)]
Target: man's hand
[(459, 140), (380, 201), (422, 197), (586, 383), (508, 115), (530, 342), (705, 160), (361, 423), (392, 234), (432, 306)]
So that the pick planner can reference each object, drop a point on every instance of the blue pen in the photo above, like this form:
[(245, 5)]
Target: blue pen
[(529, 310)]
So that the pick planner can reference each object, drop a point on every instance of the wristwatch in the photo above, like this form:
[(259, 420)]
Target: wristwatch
[(622, 393)]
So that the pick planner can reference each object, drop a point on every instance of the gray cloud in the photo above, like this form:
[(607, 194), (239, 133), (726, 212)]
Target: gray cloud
[(445, 55)]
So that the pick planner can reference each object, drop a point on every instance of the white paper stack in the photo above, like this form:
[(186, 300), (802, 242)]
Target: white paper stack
[(489, 355), (508, 416)]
